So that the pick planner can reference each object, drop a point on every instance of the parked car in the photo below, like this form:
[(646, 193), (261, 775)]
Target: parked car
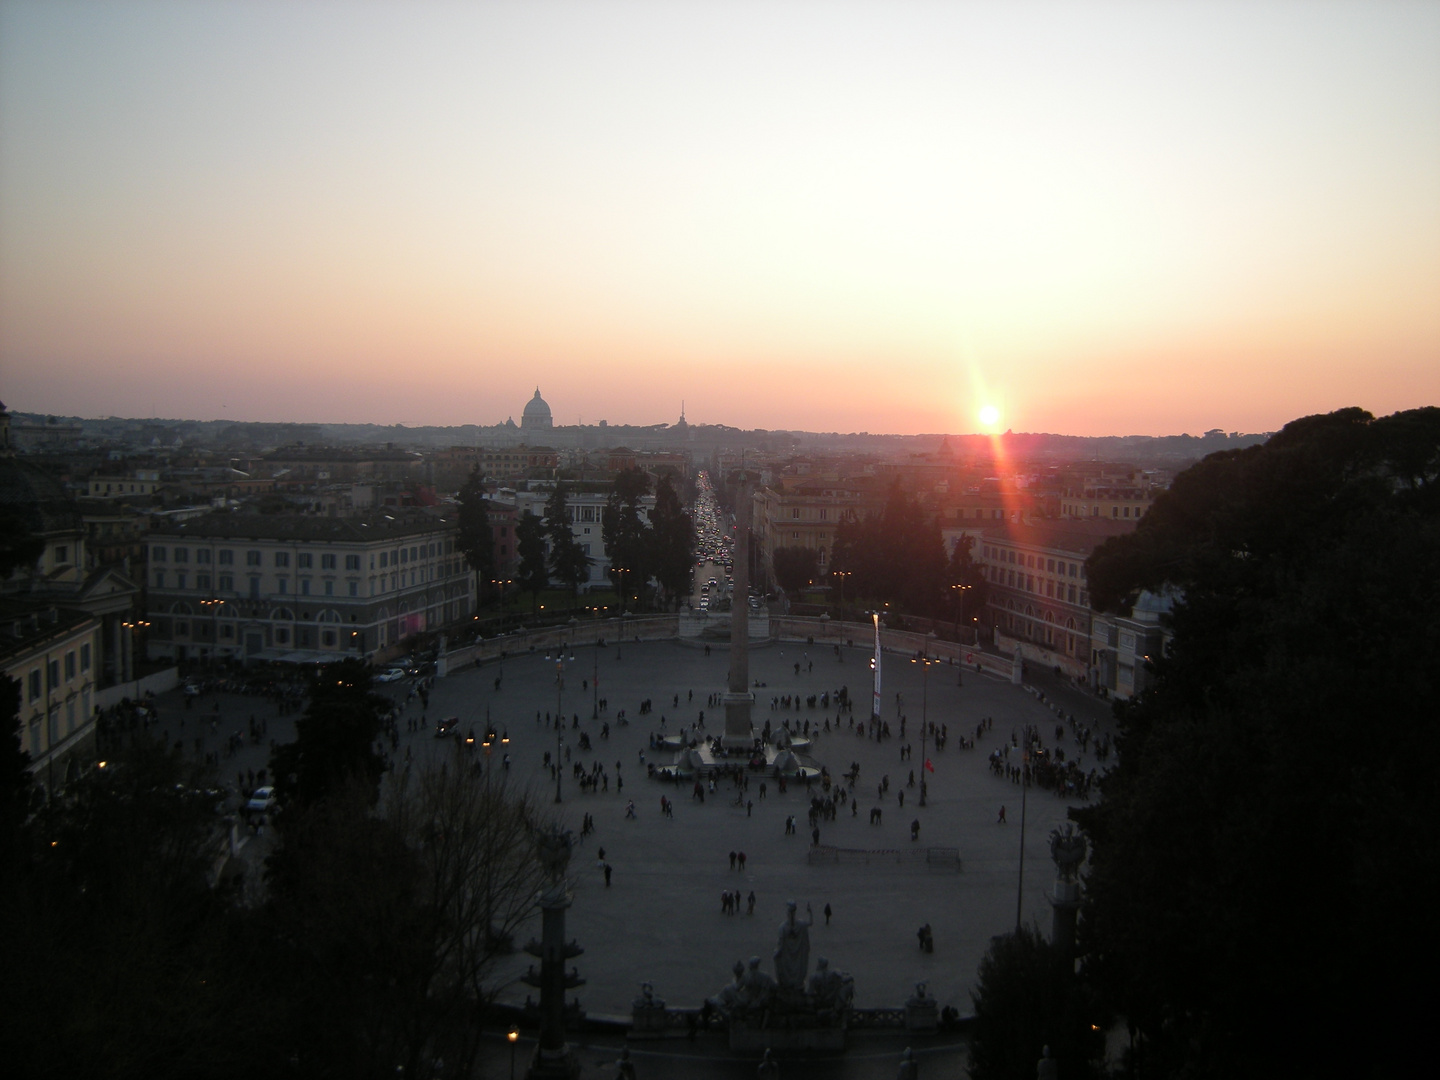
[(262, 801), (394, 674), (446, 726)]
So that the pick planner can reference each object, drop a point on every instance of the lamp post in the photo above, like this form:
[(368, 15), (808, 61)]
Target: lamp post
[(512, 1036), (924, 662), (595, 673), (960, 591), (842, 575), (137, 629), (212, 606), (559, 720), (620, 640)]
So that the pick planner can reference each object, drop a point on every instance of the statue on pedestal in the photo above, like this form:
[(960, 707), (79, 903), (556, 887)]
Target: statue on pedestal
[(792, 953)]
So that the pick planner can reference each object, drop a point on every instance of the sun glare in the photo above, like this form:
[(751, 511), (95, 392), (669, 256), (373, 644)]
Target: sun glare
[(989, 416)]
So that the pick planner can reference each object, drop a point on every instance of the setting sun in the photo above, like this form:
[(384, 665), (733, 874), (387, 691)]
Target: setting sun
[(989, 416)]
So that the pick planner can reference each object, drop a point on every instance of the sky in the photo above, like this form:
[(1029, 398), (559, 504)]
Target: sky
[(1084, 218)]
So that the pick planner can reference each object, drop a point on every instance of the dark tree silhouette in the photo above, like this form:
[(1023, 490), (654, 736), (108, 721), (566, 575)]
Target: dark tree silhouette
[(1256, 843)]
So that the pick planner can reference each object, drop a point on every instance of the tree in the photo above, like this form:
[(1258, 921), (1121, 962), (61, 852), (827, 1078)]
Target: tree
[(474, 539), (530, 548), (1287, 733), (335, 739), (1025, 1000), (113, 942), (795, 567), (568, 561), (627, 537), (389, 926), (19, 794), (896, 556), (672, 541), (965, 573)]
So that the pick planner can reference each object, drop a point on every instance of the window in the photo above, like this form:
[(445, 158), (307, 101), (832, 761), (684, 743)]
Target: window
[(85, 657), (254, 588), (352, 562), (227, 557), (157, 554), (327, 638), (1071, 594), (227, 582), (282, 585), (182, 554), (226, 630), (252, 558), (159, 579), (180, 580), (182, 628), (70, 664), (823, 513), (354, 588), (282, 636), (795, 512), (304, 560), (304, 587), (384, 559), (62, 554), (52, 675), (329, 588), (35, 685), (202, 581), (282, 558), (1050, 565), (202, 555), (414, 554)]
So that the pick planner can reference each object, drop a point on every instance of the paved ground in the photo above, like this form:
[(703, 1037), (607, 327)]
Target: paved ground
[(660, 920)]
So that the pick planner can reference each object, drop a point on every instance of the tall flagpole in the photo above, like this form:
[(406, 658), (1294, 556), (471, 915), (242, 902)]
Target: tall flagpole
[(875, 703)]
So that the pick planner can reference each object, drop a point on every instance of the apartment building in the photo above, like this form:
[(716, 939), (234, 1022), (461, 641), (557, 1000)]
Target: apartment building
[(54, 654), (301, 587), (1039, 595)]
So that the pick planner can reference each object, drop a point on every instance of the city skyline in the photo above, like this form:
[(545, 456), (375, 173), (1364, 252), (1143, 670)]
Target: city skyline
[(1093, 220)]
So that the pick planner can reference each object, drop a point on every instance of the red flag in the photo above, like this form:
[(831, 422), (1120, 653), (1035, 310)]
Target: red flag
[(928, 765)]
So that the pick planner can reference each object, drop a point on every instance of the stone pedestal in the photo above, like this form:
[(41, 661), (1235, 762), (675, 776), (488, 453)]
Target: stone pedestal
[(785, 1038), (1065, 906)]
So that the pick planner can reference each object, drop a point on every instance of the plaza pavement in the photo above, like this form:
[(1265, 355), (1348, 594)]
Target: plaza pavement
[(661, 920)]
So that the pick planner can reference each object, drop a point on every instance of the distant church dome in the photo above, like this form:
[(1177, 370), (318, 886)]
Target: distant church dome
[(537, 413)]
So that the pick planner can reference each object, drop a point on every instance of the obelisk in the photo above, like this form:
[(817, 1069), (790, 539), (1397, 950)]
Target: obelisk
[(739, 699)]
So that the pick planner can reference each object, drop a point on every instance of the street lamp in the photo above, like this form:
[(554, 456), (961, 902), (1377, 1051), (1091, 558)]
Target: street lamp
[(595, 674), (512, 1036), (842, 575), (925, 663), (559, 724), (960, 591)]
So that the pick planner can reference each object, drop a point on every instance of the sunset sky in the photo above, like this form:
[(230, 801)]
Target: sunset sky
[(1093, 218)]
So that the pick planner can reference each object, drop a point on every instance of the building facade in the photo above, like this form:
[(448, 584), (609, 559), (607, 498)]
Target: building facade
[(54, 654), (302, 588), (1039, 594)]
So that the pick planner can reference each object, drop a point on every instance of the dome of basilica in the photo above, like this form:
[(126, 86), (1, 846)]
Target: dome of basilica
[(537, 413)]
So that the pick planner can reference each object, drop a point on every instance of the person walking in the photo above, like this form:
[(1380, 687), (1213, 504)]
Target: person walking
[(732, 860), (741, 857), (607, 875), (827, 914), (1001, 819)]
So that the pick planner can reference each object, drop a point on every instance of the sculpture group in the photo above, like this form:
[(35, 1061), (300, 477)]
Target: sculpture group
[(755, 995)]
